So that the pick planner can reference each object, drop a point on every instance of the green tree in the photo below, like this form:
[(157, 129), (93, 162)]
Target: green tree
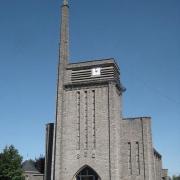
[(39, 164), (10, 164), (176, 177)]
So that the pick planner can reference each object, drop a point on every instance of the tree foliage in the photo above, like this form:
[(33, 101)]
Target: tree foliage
[(39, 164), (176, 177), (10, 164)]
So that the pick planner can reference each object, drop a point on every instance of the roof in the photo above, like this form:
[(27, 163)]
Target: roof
[(95, 62), (29, 165)]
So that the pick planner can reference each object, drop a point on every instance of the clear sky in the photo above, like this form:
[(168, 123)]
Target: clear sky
[(143, 36)]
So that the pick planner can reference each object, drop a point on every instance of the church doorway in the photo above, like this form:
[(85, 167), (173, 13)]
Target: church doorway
[(87, 173)]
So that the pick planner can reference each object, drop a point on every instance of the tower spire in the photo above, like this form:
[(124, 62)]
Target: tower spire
[(63, 61), (64, 34), (65, 2)]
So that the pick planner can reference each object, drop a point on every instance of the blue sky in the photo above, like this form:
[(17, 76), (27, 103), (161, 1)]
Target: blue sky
[(143, 36)]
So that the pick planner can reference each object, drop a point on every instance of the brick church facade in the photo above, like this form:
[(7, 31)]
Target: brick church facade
[(90, 139)]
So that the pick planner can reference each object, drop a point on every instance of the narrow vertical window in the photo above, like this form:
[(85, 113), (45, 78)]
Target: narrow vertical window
[(86, 121), (78, 120), (137, 158), (129, 159), (94, 120)]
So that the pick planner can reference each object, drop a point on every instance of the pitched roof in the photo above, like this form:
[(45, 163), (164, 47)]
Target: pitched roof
[(29, 165)]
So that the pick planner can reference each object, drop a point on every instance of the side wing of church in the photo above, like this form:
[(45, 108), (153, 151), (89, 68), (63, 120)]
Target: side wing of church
[(90, 140)]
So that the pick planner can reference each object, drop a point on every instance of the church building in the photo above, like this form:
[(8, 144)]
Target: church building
[(90, 139)]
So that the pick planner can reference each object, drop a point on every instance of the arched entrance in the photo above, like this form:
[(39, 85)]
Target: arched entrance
[(87, 173)]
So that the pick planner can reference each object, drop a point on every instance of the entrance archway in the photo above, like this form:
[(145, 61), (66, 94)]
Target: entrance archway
[(87, 173)]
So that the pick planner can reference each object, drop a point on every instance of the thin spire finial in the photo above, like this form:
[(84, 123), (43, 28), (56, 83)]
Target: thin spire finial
[(65, 2)]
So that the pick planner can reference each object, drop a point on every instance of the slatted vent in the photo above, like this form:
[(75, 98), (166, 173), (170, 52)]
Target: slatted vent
[(86, 74)]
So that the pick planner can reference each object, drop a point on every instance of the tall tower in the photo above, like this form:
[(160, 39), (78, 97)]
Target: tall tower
[(63, 62), (87, 127)]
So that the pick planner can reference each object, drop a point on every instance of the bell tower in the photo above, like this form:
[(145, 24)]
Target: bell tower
[(87, 129)]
